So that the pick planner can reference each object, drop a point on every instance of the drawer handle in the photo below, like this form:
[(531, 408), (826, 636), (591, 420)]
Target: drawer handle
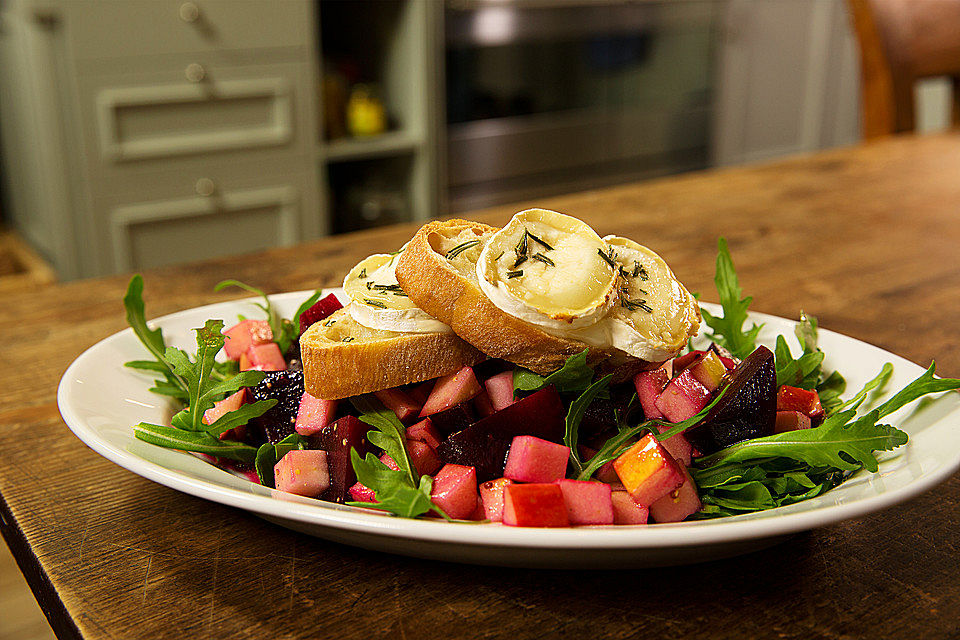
[(189, 12), (205, 187), (195, 72)]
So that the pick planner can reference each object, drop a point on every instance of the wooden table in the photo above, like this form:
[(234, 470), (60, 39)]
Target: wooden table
[(867, 239)]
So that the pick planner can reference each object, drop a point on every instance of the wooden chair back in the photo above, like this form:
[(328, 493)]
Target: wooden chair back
[(902, 41)]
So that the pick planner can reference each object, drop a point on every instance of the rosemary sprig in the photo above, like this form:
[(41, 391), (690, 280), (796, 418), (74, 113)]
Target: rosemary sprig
[(639, 270), (363, 274), (538, 241), (329, 323), (460, 248), (633, 305), (374, 303), (514, 274), (521, 248), (348, 339), (392, 288), (610, 259), (544, 259), (519, 261), (499, 256)]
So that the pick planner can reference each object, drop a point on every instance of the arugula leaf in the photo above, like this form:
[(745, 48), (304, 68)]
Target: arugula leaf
[(878, 381), (200, 442), (391, 434), (392, 489), (728, 328), (573, 377), (575, 415), (152, 339), (829, 391), (268, 455), (802, 372), (240, 416), (922, 386)]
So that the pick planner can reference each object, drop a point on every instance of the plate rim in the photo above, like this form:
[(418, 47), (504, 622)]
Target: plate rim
[(612, 537)]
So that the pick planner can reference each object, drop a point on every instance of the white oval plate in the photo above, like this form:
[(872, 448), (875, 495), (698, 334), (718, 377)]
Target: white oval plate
[(100, 400)]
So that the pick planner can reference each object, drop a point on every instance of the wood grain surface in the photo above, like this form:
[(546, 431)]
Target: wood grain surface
[(866, 239)]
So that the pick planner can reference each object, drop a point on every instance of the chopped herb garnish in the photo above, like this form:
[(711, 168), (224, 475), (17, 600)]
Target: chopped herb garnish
[(370, 285), (624, 273), (393, 288), (460, 248), (374, 303), (514, 274), (544, 259), (633, 305), (401, 294), (348, 339), (610, 259), (639, 270), (500, 256), (521, 248), (519, 261), (363, 274), (329, 323), (539, 241)]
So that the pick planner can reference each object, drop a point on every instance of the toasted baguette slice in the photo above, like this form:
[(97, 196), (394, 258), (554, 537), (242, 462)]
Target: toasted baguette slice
[(343, 358), (447, 289)]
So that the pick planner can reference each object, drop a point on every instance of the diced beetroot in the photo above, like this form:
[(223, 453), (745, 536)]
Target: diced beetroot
[(791, 421), (456, 418), (626, 510), (303, 472), (649, 385), (680, 448), (320, 310), (266, 357), (399, 402), (678, 504), (500, 390), (337, 439), (484, 444), (424, 457), (794, 399), (424, 432), (491, 494), (683, 398), (421, 392), (481, 402), (534, 505), (648, 471), (536, 460), (708, 370), (314, 414), (450, 390), (362, 493), (245, 334), (231, 403), (747, 409), (455, 490), (587, 502)]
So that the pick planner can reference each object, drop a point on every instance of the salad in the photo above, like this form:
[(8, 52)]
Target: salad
[(724, 429)]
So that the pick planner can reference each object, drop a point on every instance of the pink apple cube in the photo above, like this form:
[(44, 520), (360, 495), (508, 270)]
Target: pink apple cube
[(532, 459), (455, 490), (626, 510), (534, 505), (680, 448), (678, 504), (587, 502), (683, 398), (500, 390), (362, 493), (266, 357), (491, 495), (405, 407), (424, 431), (314, 414), (303, 472), (424, 457), (649, 386), (243, 335), (786, 421), (231, 403), (450, 390)]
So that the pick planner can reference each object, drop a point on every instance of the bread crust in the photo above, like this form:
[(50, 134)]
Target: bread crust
[(442, 291), (374, 360)]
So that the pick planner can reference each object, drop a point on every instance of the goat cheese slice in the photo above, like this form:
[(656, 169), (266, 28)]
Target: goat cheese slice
[(378, 301), (548, 269)]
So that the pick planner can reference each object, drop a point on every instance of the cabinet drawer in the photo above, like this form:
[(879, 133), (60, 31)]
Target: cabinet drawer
[(123, 28)]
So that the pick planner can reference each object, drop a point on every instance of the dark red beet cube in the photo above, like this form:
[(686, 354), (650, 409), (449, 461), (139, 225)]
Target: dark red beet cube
[(320, 310), (337, 439)]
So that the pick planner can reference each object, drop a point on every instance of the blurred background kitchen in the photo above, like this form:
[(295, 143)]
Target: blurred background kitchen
[(139, 133)]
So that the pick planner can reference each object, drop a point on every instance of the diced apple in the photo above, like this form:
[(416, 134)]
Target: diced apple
[(587, 502), (648, 471), (791, 421), (362, 493), (534, 505), (455, 490), (680, 448), (605, 473), (424, 457), (794, 399), (725, 356), (245, 334), (481, 402), (320, 310), (533, 459), (678, 504), (491, 494), (649, 385), (424, 431), (451, 390), (626, 510), (683, 398), (500, 390), (231, 403), (266, 357), (708, 370), (303, 472), (681, 363), (314, 414), (405, 407), (389, 461)]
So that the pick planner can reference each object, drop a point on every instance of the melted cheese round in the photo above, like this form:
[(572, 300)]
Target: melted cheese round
[(378, 301), (548, 269)]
